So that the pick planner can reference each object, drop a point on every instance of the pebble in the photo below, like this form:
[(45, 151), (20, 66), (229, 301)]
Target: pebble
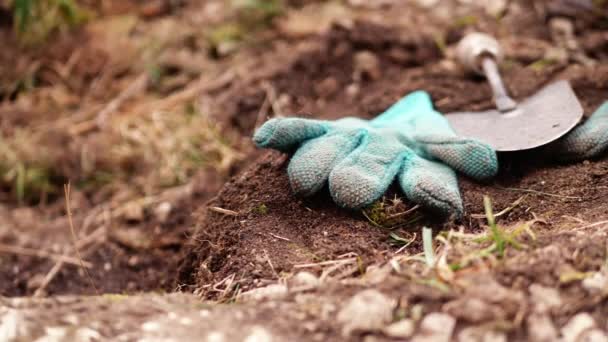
[(477, 334), (400, 329), (133, 212), (593, 335), (162, 211), (473, 310), (436, 327), (327, 87), (274, 291), (305, 280), (366, 65), (597, 283), (541, 328), (259, 334), (544, 298), (577, 326), (13, 325), (368, 310)]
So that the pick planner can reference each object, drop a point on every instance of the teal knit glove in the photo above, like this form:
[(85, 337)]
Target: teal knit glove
[(585, 141), (360, 158)]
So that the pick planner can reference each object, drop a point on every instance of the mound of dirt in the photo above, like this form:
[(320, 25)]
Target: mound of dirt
[(268, 231)]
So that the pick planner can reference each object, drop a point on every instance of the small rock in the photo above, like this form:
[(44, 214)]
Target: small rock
[(541, 328), (366, 65), (352, 90), (477, 334), (86, 334), (274, 291), (400, 329), (133, 212), (54, 334), (495, 7), (593, 335), (597, 283), (576, 326), (162, 211), (427, 3), (259, 334), (436, 327), (215, 336), (377, 274), (473, 310), (305, 280), (327, 87), (544, 298), (13, 325), (368, 310)]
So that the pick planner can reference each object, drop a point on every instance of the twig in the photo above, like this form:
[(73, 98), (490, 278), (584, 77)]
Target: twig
[(592, 225), (404, 213), (271, 96), (224, 211), (406, 245), (262, 114), (43, 254), (279, 237), (326, 263), (67, 191), (133, 89), (542, 193), (271, 265), (504, 211)]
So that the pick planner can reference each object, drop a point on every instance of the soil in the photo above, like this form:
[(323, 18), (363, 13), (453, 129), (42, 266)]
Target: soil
[(238, 230), (315, 227)]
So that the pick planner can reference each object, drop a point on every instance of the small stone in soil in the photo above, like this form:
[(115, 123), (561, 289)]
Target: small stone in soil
[(436, 327), (368, 310)]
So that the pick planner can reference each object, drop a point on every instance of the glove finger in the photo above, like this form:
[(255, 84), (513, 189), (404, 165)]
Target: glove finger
[(312, 163), (365, 174), (432, 185), (287, 133), (471, 157), (587, 140)]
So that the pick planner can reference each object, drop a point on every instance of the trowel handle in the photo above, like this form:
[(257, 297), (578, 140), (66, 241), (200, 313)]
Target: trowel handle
[(474, 47), (481, 53)]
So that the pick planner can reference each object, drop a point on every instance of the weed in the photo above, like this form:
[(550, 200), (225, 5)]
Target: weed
[(261, 209), (36, 19), (250, 16), (491, 244), (391, 214), (542, 64), (497, 235)]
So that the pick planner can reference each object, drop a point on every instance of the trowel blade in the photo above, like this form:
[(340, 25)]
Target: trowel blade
[(540, 119)]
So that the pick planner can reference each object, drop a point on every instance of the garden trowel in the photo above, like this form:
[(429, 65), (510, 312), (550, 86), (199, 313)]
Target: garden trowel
[(512, 126)]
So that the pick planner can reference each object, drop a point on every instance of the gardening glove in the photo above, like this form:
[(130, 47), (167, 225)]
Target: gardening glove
[(360, 158), (585, 141)]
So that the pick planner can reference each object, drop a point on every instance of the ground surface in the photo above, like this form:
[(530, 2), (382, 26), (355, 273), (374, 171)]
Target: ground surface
[(287, 268)]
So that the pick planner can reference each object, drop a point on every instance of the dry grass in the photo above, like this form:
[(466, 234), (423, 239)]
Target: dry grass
[(149, 152)]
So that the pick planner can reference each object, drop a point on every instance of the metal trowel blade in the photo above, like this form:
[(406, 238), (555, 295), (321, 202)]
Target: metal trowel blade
[(540, 119)]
